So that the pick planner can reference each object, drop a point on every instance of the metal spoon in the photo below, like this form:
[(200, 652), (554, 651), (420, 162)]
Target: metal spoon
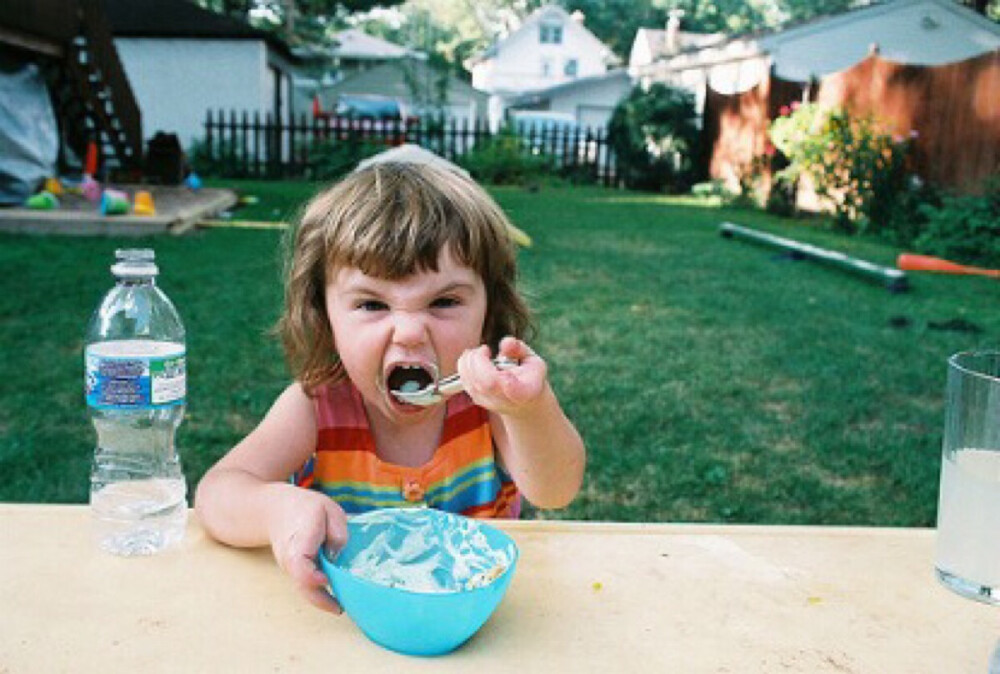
[(434, 393)]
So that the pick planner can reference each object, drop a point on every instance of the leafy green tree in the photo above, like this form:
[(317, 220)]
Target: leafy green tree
[(654, 135), (443, 30), (298, 21), (455, 30)]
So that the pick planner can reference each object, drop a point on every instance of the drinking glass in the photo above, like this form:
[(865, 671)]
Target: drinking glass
[(967, 559), (968, 525)]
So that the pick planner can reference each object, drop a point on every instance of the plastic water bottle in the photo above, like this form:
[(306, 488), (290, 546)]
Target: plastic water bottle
[(135, 387)]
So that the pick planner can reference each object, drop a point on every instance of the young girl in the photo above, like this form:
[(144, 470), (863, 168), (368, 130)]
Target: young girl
[(400, 273)]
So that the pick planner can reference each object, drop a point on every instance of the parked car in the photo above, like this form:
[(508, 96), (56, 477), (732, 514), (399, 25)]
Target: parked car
[(375, 118), (370, 107)]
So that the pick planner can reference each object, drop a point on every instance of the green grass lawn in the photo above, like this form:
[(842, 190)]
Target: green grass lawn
[(712, 379)]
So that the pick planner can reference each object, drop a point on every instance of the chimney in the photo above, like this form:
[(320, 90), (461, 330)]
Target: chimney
[(578, 16), (672, 39)]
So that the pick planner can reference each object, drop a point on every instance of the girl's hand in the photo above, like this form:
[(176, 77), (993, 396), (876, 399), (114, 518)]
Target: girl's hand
[(299, 522), (506, 392)]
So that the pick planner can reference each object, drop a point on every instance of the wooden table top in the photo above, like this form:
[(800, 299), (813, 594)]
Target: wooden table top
[(586, 597)]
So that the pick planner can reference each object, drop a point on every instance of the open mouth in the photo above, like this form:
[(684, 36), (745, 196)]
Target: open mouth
[(408, 378)]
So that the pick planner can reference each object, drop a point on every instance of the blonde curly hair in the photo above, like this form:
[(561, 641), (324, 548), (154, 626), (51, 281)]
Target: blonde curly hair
[(391, 220)]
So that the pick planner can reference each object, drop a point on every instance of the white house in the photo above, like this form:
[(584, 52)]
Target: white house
[(182, 61), (588, 100), (915, 32), (549, 48)]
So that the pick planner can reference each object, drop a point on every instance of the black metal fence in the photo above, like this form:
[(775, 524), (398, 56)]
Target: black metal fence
[(251, 145)]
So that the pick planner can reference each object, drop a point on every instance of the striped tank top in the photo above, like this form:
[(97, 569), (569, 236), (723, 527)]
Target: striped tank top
[(461, 477)]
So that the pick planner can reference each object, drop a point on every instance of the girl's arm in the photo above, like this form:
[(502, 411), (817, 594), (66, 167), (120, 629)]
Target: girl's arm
[(539, 446), (246, 500)]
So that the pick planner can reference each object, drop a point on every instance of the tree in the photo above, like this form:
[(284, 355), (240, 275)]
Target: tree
[(654, 135), (297, 21)]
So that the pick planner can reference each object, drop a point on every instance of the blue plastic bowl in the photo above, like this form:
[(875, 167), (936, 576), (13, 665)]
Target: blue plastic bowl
[(416, 622)]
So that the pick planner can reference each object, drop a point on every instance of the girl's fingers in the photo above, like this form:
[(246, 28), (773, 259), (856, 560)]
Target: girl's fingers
[(515, 349), (312, 583), (304, 572), (322, 599), (336, 529)]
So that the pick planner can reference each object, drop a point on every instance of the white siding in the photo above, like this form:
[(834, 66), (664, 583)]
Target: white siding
[(175, 81), (641, 54), (593, 104), (518, 62)]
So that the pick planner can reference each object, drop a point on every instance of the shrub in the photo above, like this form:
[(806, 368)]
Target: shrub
[(331, 159), (853, 164), (503, 160), (781, 197), (909, 219), (654, 136), (223, 161), (712, 188), (965, 229)]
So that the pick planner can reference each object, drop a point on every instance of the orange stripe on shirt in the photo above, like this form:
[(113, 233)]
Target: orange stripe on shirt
[(347, 462)]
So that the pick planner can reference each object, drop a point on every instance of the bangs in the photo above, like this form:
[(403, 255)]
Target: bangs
[(400, 222)]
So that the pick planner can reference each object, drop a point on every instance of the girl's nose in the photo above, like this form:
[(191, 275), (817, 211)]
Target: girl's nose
[(409, 328)]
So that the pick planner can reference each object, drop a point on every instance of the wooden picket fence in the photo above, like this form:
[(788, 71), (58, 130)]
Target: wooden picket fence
[(251, 145), (951, 112)]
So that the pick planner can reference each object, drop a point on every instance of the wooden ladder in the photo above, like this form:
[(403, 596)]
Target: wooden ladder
[(97, 82)]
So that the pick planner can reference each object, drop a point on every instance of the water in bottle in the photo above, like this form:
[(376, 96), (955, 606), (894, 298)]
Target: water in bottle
[(136, 387)]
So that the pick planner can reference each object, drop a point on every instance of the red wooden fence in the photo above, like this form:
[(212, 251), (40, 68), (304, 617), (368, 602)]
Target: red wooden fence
[(954, 108)]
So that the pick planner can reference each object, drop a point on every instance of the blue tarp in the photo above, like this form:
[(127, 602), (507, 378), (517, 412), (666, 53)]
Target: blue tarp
[(368, 108), (29, 135)]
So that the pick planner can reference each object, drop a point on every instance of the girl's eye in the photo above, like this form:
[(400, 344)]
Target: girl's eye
[(372, 305), (445, 302)]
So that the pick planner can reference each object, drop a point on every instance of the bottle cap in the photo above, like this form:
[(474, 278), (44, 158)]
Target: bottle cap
[(134, 263)]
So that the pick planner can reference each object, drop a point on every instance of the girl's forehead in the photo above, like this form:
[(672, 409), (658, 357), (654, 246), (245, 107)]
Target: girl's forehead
[(450, 271)]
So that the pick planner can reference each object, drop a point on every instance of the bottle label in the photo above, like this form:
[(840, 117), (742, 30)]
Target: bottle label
[(117, 379)]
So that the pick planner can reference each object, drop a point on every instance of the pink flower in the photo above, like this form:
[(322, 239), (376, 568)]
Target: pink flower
[(796, 105), (784, 110), (914, 133)]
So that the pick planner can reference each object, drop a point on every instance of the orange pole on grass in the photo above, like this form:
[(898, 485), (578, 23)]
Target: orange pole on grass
[(912, 262)]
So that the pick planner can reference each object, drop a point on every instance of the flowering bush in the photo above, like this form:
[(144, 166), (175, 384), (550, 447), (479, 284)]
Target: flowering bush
[(852, 163)]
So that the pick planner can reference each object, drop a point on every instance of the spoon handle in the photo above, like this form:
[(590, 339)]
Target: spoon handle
[(453, 384)]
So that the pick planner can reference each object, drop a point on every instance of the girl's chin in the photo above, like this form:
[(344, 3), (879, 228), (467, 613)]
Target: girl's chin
[(398, 408)]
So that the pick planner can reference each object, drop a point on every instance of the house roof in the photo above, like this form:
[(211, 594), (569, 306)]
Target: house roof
[(572, 85), (357, 44), (393, 79), (546, 12), (655, 40), (182, 19), (916, 32)]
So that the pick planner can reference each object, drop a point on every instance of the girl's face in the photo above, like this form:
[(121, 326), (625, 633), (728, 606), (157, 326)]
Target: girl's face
[(390, 332)]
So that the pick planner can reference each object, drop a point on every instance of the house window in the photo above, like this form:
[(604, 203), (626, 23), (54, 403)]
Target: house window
[(571, 68), (549, 33)]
